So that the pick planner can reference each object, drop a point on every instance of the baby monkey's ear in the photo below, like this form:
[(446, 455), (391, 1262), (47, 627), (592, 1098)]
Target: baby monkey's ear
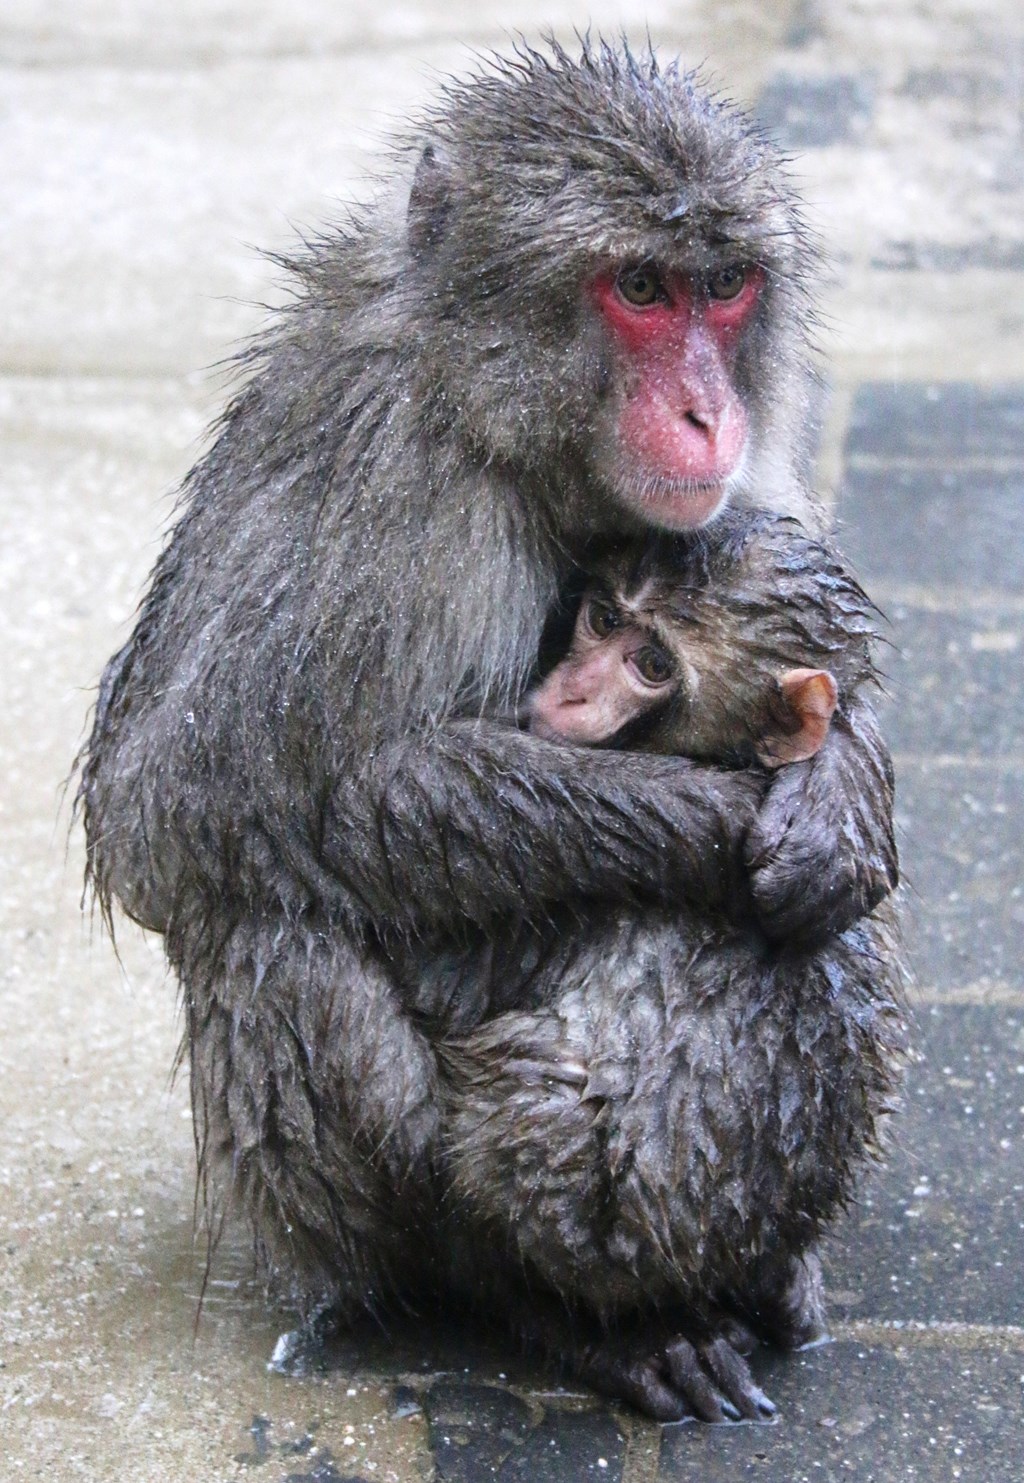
[(809, 695)]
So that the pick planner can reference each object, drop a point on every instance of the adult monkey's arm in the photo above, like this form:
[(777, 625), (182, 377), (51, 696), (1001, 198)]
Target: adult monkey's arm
[(822, 852), (478, 820)]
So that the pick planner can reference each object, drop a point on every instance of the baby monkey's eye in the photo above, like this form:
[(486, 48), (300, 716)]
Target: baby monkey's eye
[(653, 664), (600, 617), (641, 286)]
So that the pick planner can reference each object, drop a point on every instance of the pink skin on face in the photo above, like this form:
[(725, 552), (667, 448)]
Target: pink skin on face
[(681, 426), (594, 693)]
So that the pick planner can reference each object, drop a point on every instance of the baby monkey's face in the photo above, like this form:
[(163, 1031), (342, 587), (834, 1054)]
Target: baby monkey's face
[(620, 670), (652, 669)]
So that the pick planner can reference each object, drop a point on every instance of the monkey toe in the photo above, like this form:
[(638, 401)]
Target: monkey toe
[(802, 1328), (739, 1334), (787, 1308), (692, 1381), (640, 1383), (716, 1381), (793, 1331), (707, 1381), (647, 1389)]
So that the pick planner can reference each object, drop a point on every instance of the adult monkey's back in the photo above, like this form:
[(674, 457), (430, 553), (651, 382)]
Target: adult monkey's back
[(590, 317)]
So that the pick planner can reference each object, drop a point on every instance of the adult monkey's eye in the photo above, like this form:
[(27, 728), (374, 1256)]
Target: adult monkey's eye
[(641, 286), (600, 617), (727, 283), (653, 665)]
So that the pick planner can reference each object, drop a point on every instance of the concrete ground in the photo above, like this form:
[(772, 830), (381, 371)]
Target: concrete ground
[(144, 147)]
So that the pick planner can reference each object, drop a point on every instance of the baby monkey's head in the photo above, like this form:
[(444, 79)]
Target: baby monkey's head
[(731, 645)]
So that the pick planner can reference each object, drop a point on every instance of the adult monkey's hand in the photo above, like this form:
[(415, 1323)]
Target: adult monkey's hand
[(821, 852)]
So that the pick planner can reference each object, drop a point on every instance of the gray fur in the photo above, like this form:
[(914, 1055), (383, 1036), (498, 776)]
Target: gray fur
[(672, 1126), (293, 771)]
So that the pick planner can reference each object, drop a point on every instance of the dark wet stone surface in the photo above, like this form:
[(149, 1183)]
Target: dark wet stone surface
[(961, 832), (474, 1428), (425, 1345), (896, 523), (482, 1432), (931, 420), (305, 1460), (939, 1233), (954, 682), (869, 1415), (807, 113)]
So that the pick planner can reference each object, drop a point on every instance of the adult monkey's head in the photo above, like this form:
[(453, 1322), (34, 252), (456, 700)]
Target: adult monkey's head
[(614, 280)]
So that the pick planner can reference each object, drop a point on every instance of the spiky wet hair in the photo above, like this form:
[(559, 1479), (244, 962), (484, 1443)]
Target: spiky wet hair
[(746, 599), (544, 168), (790, 589), (605, 154), (528, 177)]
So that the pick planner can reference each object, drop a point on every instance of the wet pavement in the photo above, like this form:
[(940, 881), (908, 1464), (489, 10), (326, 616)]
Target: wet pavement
[(144, 147)]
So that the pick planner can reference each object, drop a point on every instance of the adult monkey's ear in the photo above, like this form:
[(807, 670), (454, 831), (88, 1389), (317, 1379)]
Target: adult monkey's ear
[(809, 698), (429, 200)]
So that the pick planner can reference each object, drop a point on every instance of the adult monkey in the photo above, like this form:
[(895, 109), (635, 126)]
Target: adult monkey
[(591, 318)]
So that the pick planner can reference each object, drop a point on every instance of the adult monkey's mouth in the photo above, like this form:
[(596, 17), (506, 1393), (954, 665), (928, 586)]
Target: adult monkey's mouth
[(676, 502)]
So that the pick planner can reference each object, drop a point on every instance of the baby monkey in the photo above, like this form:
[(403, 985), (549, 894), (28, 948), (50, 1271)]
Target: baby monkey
[(667, 657), (661, 1138)]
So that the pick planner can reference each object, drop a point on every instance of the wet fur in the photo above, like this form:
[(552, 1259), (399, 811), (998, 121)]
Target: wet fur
[(291, 772), (686, 1106)]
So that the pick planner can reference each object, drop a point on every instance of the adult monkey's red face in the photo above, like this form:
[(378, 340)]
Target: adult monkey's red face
[(675, 426)]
